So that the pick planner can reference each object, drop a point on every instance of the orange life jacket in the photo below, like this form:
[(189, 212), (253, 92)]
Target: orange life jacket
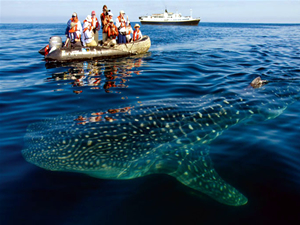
[(73, 29), (112, 31), (129, 31), (102, 20), (135, 35), (102, 16), (122, 23), (87, 28), (95, 23)]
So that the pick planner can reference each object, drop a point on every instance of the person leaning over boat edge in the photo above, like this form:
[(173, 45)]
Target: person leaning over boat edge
[(88, 34), (95, 26), (137, 34), (121, 25), (73, 30)]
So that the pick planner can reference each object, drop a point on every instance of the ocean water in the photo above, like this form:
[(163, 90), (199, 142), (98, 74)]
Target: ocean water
[(261, 159)]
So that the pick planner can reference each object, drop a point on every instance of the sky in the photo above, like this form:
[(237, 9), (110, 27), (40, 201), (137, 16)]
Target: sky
[(236, 11)]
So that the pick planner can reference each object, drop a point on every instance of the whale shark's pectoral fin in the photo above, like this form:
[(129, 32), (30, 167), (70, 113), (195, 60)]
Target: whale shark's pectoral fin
[(196, 171)]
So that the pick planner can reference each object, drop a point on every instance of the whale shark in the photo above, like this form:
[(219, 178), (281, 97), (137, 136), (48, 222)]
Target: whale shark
[(169, 136)]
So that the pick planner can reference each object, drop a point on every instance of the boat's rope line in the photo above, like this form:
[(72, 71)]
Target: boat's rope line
[(128, 50)]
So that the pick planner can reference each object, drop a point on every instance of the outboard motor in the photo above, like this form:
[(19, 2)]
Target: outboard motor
[(55, 42)]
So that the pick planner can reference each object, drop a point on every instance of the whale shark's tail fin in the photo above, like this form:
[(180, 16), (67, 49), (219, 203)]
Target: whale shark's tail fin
[(195, 170)]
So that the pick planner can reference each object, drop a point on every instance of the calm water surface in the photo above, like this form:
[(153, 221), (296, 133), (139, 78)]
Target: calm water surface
[(262, 160)]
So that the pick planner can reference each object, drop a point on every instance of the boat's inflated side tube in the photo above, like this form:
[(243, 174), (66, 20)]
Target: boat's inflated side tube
[(42, 51), (61, 54), (69, 54)]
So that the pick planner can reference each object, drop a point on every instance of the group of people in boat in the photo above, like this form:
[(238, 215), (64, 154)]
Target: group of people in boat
[(87, 34)]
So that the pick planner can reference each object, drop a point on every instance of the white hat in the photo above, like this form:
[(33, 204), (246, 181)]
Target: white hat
[(111, 20), (74, 14), (136, 25), (122, 12), (110, 14), (89, 18)]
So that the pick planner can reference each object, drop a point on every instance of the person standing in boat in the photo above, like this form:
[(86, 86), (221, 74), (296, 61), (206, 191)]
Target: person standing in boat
[(88, 34), (95, 26), (121, 25), (137, 34), (73, 30), (110, 17), (112, 33), (104, 17)]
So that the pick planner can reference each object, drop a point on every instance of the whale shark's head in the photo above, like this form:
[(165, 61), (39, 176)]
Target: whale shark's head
[(48, 145)]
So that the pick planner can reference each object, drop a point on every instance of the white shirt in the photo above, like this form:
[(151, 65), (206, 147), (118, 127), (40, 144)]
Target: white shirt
[(87, 36), (128, 29)]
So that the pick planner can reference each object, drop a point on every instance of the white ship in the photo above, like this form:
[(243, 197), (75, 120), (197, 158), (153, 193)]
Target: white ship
[(167, 18)]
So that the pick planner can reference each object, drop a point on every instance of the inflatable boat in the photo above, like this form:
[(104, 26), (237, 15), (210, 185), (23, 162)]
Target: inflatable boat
[(56, 51)]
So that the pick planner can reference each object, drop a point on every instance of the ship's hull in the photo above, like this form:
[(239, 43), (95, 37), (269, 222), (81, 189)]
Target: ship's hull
[(165, 22)]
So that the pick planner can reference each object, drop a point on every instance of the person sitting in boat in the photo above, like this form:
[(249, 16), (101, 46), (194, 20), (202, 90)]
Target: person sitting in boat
[(112, 33), (121, 25), (73, 30), (129, 31), (137, 34), (88, 34), (95, 26)]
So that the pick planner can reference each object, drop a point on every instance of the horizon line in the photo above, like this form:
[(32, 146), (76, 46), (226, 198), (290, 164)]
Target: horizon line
[(294, 23)]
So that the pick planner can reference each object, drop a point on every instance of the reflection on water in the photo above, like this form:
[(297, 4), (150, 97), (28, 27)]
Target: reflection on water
[(103, 116), (111, 76)]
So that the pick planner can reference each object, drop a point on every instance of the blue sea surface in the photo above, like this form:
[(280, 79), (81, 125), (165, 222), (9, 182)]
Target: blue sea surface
[(262, 160)]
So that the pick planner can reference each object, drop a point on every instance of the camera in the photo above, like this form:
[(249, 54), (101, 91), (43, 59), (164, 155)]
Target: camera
[(107, 11)]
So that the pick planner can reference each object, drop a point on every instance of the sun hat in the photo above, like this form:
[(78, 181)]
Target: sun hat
[(136, 25), (122, 11), (93, 13), (74, 14), (88, 18), (110, 14)]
